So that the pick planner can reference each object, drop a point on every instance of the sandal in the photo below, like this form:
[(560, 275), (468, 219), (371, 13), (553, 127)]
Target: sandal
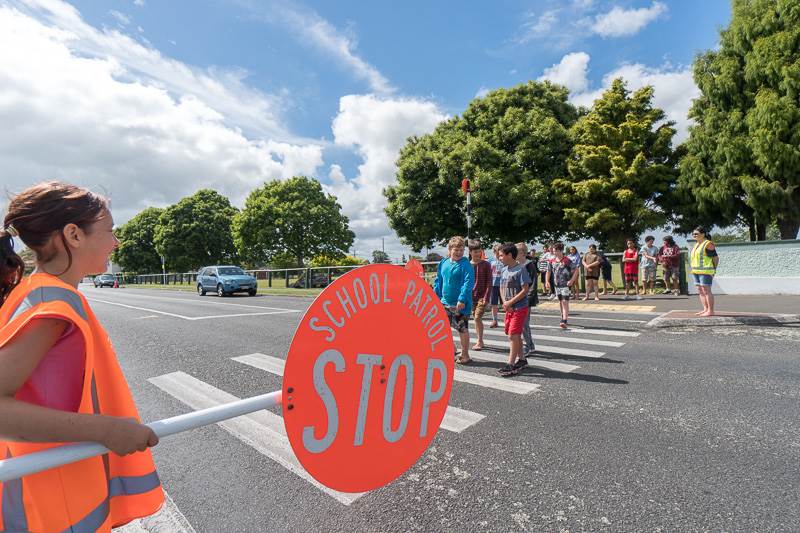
[(467, 362)]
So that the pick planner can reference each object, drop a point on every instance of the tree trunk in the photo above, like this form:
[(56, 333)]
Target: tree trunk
[(752, 227), (761, 232), (788, 228)]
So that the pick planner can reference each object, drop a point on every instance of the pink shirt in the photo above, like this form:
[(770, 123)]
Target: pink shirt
[(57, 381)]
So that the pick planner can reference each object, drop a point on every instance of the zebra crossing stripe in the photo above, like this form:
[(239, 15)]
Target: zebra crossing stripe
[(494, 382), (532, 362), (567, 339), (590, 331), (455, 419), (543, 348), (262, 430)]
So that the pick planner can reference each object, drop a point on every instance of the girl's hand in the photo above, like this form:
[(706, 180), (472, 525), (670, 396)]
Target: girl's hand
[(124, 436)]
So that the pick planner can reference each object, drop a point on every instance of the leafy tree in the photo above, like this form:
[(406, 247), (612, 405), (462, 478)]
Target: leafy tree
[(294, 216), (379, 256), (137, 250), (433, 256), (344, 260), (511, 144), (196, 231), (743, 162), (620, 169)]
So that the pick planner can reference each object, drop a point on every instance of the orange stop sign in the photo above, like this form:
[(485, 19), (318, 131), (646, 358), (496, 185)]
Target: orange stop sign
[(367, 378)]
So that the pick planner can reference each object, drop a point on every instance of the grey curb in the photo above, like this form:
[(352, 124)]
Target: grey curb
[(742, 320)]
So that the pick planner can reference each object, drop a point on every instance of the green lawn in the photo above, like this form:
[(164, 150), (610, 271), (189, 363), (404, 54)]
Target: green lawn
[(263, 288)]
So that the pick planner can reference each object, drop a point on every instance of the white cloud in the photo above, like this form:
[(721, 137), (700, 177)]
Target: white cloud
[(570, 72), (673, 88), (536, 27), (483, 91), (623, 22), (314, 30), (377, 128), (139, 3), (122, 18), (119, 120)]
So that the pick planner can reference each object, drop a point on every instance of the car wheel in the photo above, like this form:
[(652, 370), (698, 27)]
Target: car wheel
[(200, 290), (220, 291), (252, 292)]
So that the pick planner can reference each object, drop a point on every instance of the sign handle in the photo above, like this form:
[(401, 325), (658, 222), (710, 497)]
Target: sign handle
[(18, 467)]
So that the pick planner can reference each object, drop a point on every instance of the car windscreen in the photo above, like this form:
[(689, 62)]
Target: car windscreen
[(231, 271), (106, 276)]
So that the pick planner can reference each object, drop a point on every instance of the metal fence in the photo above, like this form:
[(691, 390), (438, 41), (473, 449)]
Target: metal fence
[(319, 277)]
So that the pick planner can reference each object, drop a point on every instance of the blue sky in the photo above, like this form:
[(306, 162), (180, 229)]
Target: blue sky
[(151, 100)]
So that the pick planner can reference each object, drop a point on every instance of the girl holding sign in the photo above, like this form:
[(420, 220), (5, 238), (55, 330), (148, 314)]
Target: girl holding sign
[(61, 381)]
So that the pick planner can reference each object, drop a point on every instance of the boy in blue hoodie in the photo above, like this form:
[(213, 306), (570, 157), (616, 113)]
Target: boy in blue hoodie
[(454, 281)]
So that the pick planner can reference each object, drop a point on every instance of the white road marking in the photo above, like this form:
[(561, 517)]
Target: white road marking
[(262, 430), (571, 318), (590, 331), (168, 519), (494, 382), (455, 419), (574, 340), (545, 348), (146, 316), (532, 362), (184, 317), (203, 299)]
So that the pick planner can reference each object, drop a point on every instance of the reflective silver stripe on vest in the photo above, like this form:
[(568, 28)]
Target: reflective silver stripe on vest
[(91, 522), (13, 508), (50, 294)]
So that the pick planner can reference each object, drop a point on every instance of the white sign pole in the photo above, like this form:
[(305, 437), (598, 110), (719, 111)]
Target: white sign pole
[(37, 462)]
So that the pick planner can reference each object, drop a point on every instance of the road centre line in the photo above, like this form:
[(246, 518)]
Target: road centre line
[(213, 302), (262, 430), (567, 339), (544, 348), (455, 419), (184, 317)]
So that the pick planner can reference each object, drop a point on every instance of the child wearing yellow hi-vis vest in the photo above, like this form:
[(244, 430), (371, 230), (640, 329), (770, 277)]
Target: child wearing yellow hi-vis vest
[(704, 260), (60, 380)]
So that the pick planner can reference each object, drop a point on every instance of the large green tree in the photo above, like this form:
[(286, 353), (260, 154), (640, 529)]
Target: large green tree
[(294, 217), (621, 168), (743, 162), (511, 144), (196, 231), (137, 250)]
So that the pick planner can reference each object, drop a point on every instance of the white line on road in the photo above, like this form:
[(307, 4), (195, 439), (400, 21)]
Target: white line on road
[(184, 317), (574, 340), (455, 419), (545, 348), (572, 318), (211, 301), (532, 362), (262, 430), (590, 331), (168, 519)]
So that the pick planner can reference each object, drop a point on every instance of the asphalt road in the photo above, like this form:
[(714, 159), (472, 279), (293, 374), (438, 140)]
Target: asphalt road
[(628, 430)]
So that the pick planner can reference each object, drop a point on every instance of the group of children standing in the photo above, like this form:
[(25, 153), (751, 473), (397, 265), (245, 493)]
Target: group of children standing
[(467, 287)]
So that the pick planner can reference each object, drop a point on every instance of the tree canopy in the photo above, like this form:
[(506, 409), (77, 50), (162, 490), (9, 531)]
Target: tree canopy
[(743, 161), (137, 252), (294, 217), (196, 232), (621, 168), (511, 144)]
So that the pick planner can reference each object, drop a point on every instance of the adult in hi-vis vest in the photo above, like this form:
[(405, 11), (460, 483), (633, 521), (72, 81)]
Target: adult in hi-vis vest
[(703, 261), (61, 381)]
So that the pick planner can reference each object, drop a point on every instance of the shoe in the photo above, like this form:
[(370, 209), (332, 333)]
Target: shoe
[(493, 324), (507, 371), (627, 297), (520, 363), (460, 362), (638, 297), (563, 324)]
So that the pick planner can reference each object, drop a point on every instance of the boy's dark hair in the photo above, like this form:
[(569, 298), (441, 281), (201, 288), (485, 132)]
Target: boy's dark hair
[(559, 246), (509, 248), (473, 244), (649, 238)]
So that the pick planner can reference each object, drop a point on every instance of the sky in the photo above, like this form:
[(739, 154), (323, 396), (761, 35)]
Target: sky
[(148, 101)]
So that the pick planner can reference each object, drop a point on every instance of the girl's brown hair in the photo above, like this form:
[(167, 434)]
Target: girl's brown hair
[(35, 215)]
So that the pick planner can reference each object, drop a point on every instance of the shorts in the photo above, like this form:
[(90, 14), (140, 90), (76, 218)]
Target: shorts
[(515, 321), (703, 280), (606, 270), (649, 273), (631, 277), (494, 298), (479, 309), (593, 276), (563, 293), (458, 321), (670, 272)]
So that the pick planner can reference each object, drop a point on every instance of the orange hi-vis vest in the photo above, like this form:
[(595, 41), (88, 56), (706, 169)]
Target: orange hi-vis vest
[(94, 494)]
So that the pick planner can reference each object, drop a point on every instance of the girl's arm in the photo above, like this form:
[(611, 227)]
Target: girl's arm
[(24, 421)]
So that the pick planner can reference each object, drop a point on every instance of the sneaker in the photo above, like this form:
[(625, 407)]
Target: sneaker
[(508, 371), (520, 363), (627, 297), (638, 297)]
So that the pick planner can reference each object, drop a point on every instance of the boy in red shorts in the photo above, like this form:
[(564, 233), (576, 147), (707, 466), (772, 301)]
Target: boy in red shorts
[(514, 284)]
